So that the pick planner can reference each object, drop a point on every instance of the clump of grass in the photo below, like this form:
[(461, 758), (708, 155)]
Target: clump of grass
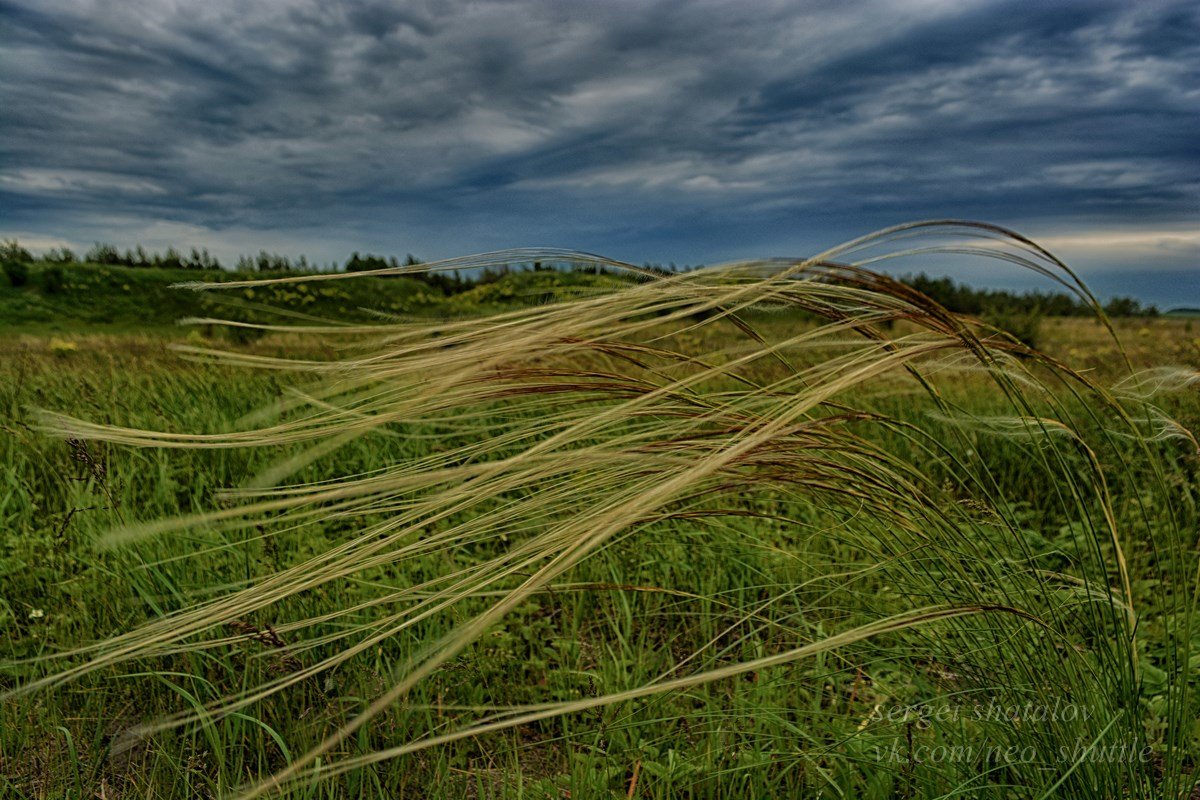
[(772, 398), (1024, 326), (16, 272)]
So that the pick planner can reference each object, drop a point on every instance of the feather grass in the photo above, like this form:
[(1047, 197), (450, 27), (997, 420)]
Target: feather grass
[(726, 392)]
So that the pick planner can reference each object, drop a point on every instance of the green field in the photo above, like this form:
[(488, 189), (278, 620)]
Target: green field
[(949, 522)]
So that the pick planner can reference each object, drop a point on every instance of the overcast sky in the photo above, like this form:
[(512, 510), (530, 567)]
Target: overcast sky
[(648, 131)]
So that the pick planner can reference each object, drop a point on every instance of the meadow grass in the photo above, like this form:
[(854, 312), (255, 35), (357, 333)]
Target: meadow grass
[(724, 534), (90, 298)]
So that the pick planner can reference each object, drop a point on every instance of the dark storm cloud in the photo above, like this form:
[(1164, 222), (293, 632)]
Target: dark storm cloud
[(649, 130)]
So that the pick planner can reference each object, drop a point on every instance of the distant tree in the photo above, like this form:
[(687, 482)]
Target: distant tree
[(102, 253), (171, 259), (11, 250), (1128, 307), (270, 262), (59, 255), (364, 263), (140, 259), (208, 261), (659, 269), (193, 260)]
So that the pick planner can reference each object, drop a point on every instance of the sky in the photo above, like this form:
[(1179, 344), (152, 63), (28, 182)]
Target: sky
[(686, 132)]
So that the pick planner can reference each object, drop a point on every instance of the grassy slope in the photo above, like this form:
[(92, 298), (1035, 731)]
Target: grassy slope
[(752, 737), (122, 299)]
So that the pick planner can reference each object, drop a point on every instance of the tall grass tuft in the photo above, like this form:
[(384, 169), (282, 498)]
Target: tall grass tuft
[(953, 607)]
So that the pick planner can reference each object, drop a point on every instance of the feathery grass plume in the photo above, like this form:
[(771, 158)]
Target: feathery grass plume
[(910, 557)]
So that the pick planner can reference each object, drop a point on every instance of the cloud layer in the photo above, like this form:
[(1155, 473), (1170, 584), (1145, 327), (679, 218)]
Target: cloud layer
[(647, 130)]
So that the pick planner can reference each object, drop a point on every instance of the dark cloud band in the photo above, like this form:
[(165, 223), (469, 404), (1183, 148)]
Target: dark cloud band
[(651, 130)]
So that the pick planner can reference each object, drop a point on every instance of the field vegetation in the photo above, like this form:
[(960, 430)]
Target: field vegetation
[(773, 529)]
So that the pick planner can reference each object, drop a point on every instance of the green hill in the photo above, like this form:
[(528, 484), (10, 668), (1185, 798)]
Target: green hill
[(79, 297)]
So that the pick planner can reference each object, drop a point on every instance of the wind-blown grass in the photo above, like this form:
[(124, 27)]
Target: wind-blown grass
[(772, 398)]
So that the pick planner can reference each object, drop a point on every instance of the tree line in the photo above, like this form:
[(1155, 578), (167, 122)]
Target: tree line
[(963, 299), (954, 296)]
